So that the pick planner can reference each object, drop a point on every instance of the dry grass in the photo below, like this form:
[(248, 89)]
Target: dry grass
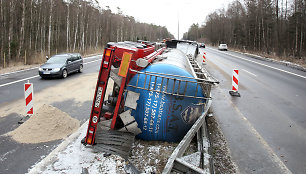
[(299, 61), (16, 66)]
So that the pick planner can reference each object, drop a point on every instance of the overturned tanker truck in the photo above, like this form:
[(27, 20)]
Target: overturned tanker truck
[(157, 94)]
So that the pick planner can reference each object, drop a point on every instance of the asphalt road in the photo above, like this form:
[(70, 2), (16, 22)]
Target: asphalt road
[(18, 158), (265, 127)]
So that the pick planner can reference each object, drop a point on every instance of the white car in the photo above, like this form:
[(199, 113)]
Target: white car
[(222, 47)]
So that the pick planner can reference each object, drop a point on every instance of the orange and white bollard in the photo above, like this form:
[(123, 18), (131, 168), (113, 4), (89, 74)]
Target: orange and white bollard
[(28, 95), (235, 79), (204, 58)]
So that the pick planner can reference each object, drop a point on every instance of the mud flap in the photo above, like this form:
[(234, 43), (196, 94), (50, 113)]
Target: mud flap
[(114, 142)]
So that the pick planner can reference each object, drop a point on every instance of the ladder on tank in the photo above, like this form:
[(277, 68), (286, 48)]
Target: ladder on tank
[(102, 134), (201, 73), (170, 84), (100, 92)]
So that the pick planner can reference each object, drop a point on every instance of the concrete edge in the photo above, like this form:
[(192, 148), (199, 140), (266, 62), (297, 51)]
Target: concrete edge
[(40, 166)]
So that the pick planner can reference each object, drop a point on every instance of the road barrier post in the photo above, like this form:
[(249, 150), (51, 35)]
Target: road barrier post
[(204, 58), (29, 96), (234, 91)]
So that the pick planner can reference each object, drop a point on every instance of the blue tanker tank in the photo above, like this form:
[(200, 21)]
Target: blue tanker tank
[(163, 112)]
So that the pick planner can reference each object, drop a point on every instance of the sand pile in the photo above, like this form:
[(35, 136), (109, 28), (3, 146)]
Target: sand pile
[(49, 123), (79, 90)]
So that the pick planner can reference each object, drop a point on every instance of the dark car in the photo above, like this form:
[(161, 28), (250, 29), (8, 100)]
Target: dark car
[(202, 45), (61, 65)]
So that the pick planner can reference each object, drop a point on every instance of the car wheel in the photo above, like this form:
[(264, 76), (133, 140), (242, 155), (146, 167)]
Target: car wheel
[(64, 73), (81, 69)]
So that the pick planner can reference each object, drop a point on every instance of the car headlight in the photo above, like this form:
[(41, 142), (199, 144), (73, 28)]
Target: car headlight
[(56, 69), (39, 69)]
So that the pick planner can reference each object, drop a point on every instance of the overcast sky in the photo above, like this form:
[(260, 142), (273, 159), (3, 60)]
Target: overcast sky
[(167, 12)]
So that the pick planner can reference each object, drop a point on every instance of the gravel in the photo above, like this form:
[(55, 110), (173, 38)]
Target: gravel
[(223, 163)]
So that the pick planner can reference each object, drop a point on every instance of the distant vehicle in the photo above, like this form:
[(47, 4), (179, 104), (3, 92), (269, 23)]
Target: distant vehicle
[(202, 45), (222, 47), (61, 65)]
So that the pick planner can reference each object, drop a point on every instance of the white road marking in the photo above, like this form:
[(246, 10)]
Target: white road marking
[(10, 83), (249, 72), (18, 71), (3, 157), (92, 61), (272, 154), (265, 65), (92, 57)]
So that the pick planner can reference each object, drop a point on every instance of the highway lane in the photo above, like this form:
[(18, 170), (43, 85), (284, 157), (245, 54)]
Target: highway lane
[(12, 83), (266, 126), (16, 157)]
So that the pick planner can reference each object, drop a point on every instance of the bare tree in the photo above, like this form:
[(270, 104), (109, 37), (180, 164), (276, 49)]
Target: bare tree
[(67, 27), (50, 27), (42, 27), (21, 43), (264, 26)]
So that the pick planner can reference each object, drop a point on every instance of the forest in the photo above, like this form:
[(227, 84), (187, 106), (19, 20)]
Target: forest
[(33, 29), (269, 27)]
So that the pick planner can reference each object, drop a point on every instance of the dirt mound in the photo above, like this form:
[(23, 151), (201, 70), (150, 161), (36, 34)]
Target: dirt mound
[(48, 124)]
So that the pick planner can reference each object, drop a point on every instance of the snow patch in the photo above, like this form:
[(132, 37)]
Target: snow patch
[(76, 157)]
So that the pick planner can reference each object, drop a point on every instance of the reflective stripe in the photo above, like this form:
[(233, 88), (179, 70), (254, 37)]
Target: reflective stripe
[(28, 95), (125, 63)]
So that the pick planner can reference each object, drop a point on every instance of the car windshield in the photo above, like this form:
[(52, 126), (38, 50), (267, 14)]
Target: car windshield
[(223, 45), (58, 59)]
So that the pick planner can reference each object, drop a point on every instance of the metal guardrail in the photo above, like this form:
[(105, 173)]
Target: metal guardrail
[(201, 73), (175, 164)]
